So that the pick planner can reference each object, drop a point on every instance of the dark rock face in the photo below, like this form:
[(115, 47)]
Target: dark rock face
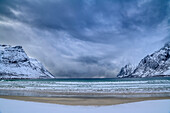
[(14, 63), (126, 71), (156, 64)]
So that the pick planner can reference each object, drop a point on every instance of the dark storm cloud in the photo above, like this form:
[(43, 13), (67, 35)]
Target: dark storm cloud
[(102, 20), (86, 37), (106, 19)]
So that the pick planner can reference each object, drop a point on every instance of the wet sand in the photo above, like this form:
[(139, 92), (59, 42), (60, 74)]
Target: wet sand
[(83, 101)]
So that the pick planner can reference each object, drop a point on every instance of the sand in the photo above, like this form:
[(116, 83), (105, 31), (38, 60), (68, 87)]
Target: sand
[(83, 101)]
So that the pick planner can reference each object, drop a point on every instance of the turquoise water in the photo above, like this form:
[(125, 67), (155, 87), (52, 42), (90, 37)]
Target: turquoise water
[(93, 79), (159, 86)]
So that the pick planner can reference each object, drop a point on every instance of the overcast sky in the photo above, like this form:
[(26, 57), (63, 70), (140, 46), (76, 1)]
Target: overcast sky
[(85, 38)]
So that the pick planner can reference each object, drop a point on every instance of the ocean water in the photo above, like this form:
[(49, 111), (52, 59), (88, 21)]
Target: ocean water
[(128, 87)]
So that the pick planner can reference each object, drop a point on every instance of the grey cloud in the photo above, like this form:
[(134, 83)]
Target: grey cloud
[(88, 59), (100, 17)]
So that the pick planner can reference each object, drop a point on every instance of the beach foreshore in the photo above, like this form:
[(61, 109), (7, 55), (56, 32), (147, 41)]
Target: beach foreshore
[(94, 101)]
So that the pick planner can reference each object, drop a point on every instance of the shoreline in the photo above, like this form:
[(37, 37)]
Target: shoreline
[(83, 101), (53, 94), (65, 78)]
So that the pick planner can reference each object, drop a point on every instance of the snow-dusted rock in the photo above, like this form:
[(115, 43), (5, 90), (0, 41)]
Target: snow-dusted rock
[(14, 63), (156, 64), (126, 71)]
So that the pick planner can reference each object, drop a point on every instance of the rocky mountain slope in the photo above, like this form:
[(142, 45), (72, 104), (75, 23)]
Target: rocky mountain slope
[(14, 63), (126, 71), (156, 64)]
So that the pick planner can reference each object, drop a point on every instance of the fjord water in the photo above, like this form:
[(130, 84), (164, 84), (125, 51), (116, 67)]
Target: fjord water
[(108, 87)]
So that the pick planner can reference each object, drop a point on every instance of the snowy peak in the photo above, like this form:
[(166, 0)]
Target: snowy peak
[(156, 64), (126, 71), (14, 63), (12, 54)]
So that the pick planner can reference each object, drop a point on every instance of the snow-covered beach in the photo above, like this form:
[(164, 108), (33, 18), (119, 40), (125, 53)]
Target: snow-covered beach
[(150, 106)]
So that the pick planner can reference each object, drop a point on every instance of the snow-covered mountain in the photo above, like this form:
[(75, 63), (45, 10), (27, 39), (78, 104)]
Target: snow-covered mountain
[(156, 64), (14, 63), (126, 71)]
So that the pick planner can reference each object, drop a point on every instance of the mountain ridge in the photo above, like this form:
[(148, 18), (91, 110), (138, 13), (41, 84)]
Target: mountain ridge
[(14, 63), (155, 64)]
